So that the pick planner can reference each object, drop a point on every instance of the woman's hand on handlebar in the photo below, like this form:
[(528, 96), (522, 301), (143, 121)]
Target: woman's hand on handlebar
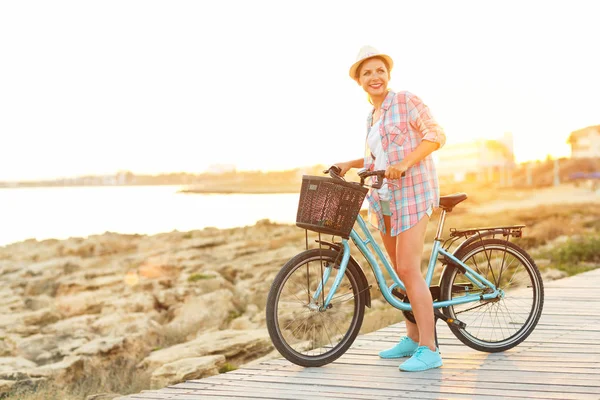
[(344, 167), (395, 171)]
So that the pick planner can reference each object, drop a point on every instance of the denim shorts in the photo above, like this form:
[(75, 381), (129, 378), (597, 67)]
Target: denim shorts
[(385, 209)]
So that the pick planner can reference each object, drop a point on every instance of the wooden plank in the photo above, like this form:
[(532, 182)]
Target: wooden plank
[(558, 360), (526, 356), (541, 385), (391, 389), (343, 374), (266, 387)]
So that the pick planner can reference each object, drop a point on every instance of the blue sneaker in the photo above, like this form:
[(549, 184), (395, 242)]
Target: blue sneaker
[(422, 360), (406, 347)]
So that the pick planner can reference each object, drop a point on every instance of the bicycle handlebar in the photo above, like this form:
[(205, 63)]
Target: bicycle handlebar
[(380, 174), (334, 172)]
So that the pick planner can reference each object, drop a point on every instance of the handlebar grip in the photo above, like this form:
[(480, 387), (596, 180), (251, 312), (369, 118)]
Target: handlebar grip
[(366, 174), (334, 172), (380, 174)]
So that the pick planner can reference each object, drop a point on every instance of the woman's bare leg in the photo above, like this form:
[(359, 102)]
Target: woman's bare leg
[(409, 250), (389, 242)]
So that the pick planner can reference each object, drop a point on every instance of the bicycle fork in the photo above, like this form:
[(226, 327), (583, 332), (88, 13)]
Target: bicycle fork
[(336, 283)]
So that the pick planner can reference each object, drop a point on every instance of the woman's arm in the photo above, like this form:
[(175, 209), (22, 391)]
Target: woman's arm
[(346, 166), (423, 121), (424, 149), (433, 137)]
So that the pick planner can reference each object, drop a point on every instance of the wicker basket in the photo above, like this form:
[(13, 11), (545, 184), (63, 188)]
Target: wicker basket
[(329, 205)]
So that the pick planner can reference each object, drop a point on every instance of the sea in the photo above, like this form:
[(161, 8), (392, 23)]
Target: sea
[(63, 212)]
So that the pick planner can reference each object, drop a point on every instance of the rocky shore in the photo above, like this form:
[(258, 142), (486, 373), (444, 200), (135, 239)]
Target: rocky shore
[(167, 307), (181, 304)]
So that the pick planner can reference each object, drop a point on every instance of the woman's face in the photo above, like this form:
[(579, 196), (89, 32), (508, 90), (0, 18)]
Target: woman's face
[(374, 76)]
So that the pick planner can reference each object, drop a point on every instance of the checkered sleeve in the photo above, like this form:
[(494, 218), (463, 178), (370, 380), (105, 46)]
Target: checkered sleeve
[(426, 124)]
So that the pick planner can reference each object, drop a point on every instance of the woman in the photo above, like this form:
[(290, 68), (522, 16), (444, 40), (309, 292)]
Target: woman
[(401, 135)]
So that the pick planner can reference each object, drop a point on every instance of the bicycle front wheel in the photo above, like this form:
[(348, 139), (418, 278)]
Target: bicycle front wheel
[(302, 330), (502, 323)]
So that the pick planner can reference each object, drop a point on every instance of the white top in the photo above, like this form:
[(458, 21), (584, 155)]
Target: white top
[(376, 148)]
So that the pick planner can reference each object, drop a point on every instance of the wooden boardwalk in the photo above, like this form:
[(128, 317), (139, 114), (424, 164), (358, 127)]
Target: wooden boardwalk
[(560, 360)]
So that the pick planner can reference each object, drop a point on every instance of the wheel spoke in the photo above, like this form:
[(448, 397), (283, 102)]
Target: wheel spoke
[(301, 329), (498, 323)]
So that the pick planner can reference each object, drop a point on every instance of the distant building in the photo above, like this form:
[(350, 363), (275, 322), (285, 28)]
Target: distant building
[(480, 160), (585, 143)]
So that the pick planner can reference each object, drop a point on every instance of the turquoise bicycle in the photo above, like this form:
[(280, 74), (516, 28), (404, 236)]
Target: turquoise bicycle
[(490, 291)]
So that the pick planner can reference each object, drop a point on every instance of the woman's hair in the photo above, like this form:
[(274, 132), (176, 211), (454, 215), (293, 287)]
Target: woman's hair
[(387, 66)]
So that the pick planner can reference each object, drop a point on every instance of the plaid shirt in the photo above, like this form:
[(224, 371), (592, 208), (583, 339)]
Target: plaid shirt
[(406, 121)]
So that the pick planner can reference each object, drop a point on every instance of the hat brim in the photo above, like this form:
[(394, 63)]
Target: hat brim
[(357, 64)]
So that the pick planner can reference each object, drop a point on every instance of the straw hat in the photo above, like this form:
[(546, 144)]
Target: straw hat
[(365, 53)]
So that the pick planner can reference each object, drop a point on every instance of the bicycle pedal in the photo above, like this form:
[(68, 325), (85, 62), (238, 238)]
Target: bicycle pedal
[(456, 322), (449, 321)]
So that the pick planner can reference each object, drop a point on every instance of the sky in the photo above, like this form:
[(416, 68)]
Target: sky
[(167, 86)]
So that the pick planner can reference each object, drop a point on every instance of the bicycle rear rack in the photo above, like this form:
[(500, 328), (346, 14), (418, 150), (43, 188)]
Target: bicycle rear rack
[(513, 230)]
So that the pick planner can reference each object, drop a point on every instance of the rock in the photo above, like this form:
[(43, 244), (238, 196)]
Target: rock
[(47, 349), (243, 323), (8, 364), (43, 317), (203, 312), (83, 303), (172, 297), (158, 267), (9, 320), (122, 324), (8, 299), (6, 350), (251, 310), (187, 368), (78, 284), (41, 286), (98, 245), (53, 267), (38, 347), (79, 326), (133, 303), (35, 303), (101, 346), (237, 346), (212, 282), (67, 371), (23, 330)]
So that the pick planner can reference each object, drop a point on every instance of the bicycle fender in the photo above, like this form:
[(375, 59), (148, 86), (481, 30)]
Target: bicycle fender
[(477, 237), (363, 283)]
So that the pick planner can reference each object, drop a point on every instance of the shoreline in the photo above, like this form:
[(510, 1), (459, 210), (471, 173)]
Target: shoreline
[(237, 191), (524, 200), (42, 241)]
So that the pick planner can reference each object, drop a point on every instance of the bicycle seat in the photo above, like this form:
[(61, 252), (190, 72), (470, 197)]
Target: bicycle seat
[(449, 202)]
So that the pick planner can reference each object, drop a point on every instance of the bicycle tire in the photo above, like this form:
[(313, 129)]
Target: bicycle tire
[(280, 335), (529, 275)]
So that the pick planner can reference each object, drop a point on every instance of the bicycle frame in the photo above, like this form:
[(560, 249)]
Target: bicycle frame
[(477, 280)]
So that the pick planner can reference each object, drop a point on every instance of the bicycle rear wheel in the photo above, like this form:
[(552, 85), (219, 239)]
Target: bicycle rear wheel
[(498, 324), (301, 330)]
